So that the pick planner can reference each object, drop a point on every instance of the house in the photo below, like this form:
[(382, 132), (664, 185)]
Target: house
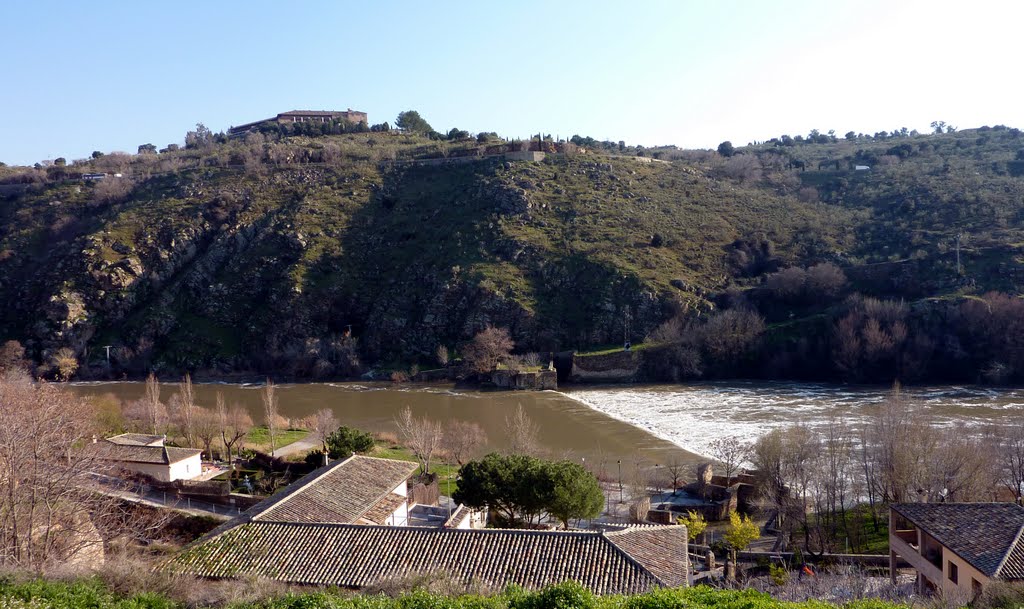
[(958, 548), (358, 490), (861, 167), (305, 116), (147, 455), (342, 526)]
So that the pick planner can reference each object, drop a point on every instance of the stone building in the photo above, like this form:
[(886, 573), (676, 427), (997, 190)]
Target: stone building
[(306, 116)]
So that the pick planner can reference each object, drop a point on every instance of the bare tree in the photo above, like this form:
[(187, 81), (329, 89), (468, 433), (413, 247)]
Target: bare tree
[(422, 436), (1009, 456), (324, 422), (152, 401), (234, 425), (522, 432), (206, 427), (462, 440), (442, 355), (676, 469), (488, 348), (52, 508), (732, 453), (270, 414), (185, 411)]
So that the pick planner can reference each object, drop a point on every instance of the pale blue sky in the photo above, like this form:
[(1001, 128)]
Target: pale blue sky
[(110, 75)]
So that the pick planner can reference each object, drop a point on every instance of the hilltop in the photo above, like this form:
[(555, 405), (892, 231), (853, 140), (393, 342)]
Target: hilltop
[(322, 255)]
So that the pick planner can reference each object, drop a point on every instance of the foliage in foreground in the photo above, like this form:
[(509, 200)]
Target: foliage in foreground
[(92, 594)]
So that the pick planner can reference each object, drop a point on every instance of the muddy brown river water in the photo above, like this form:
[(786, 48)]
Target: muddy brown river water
[(655, 423)]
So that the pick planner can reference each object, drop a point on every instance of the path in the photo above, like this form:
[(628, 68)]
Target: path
[(302, 446)]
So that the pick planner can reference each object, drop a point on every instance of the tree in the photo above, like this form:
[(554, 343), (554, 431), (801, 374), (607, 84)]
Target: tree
[(726, 149), (185, 410), (200, 138), (50, 510), (1009, 455), (344, 442), (12, 357), (60, 162), (522, 432), (731, 452), (324, 422), (523, 488), (489, 347), (442, 355), (695, 524), (462, 439), (206, 428), (270, 414), (234, 425), (64, 363), (741, 533), (410, 120), (574, 492), (96, 154), (152, 403), (147, 149), (421, 436)]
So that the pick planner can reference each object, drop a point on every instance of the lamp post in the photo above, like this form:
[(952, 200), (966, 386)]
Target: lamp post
[(619, 462)]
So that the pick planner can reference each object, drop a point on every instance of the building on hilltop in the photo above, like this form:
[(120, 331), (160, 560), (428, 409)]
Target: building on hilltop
[(958, 548), (351, 116), (331, 529)]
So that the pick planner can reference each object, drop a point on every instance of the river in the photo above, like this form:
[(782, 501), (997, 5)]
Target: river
[(653, 423)]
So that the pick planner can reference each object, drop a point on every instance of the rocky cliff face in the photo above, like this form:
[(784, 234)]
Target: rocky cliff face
[(322, 271)]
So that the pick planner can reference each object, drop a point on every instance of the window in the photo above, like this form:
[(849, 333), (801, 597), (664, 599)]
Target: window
[(975, 588), (953, 575)]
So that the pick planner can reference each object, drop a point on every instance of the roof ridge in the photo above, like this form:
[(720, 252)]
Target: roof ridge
[(489, 531), (1009, 551)]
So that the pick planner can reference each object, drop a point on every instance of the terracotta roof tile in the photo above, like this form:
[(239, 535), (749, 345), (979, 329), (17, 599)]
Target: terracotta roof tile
[(356, 556), (341, 492), (131, 453)]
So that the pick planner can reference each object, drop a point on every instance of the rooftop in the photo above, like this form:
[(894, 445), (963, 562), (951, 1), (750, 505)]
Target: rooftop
[(134, 453), (986, 535), (356, 556), (343, 492), (137, 439)]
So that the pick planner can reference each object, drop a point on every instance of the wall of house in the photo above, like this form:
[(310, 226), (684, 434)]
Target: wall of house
[(158, 471), (963, 589), (400, 517), (186, 468)]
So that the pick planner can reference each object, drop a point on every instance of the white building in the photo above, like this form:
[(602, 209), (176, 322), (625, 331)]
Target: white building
[(147, 455)]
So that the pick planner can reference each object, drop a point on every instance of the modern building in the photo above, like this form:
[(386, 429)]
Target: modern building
[(332, 529), (957, 548)]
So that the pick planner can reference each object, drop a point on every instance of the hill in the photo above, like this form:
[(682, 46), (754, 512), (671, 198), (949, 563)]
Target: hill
[(322, 255)]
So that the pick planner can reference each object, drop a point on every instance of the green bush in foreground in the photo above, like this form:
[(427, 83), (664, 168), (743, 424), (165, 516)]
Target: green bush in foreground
[(92, 594)]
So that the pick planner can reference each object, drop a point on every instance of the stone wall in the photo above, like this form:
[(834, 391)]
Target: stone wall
[(618, 367), (536, 381), (525, 155)]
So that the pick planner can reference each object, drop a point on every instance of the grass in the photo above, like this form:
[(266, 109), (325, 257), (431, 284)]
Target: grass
[(617, 349), (446, 474), (259, 437)]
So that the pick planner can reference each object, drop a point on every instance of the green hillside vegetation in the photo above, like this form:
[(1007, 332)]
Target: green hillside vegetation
[(259, 254), (91, 594)]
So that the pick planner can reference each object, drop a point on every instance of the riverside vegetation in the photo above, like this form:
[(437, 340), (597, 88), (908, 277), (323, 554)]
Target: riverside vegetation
[(318, 252)]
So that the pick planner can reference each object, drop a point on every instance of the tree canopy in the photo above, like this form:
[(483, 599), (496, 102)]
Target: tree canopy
[(410, 120), (520, 487), (345, 441)]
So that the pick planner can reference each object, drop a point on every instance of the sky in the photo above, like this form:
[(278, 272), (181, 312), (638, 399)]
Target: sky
[(110, 75)]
